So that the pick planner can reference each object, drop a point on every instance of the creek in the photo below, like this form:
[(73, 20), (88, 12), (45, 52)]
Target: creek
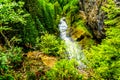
[(73, 50)]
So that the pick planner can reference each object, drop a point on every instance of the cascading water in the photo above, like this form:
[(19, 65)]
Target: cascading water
[(73, 49)]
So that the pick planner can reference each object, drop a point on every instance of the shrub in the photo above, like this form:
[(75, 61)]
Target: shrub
[(64, 70), (15, 57), (16, 22), (51, 45), (7, 77), (31, 76), (105, 58), (3, 62), (9, 60)]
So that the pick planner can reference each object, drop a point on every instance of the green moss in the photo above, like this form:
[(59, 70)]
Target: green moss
[(80, 33)]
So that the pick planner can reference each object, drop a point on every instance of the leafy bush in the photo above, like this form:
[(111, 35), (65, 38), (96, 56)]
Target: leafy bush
[(105, 58), (11, 13), (10, 60), (28, 33), (31, 76), (7, 77), (3, 62), (5, 67), (16, 22), (112, 14), (15, 57), (64, 70), (51, 45), (49, 11), (45, 13)]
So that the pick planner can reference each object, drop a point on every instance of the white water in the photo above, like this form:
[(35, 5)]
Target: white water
[(72, 48)]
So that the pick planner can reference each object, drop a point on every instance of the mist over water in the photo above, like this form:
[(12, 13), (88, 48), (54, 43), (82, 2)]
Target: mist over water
[(72, 48)]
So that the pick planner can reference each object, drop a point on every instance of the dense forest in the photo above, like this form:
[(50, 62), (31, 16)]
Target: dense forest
[(34, 47)]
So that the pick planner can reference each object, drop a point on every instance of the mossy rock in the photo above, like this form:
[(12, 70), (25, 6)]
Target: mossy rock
[(78, 30), (82, 35)]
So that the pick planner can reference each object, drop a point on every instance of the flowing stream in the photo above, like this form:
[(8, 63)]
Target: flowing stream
[(72, 48)]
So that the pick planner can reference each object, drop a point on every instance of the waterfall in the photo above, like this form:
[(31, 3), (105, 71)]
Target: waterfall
[(72, 48)]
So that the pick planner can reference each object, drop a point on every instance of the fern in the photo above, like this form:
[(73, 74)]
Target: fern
[(112, 13)]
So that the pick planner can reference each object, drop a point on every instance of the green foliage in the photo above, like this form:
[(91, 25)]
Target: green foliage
[(39, 26), (9, 60), (29, 32), (48, 12), (31, 76), (51, 45), (11, 12), (7, 77), (3, 62), (19, 23), (112, 13), (64, 70), (15, 57), (4, 28), (5, 67), (104, 59), (69, 9), (45, 13)]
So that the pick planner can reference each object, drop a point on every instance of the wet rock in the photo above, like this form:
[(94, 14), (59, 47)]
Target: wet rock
[(80, 35), (94, 17)]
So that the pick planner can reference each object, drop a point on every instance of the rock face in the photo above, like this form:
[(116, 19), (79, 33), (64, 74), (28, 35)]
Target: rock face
[(79, 34), (39, 57), (94, 17), (117, 2)]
